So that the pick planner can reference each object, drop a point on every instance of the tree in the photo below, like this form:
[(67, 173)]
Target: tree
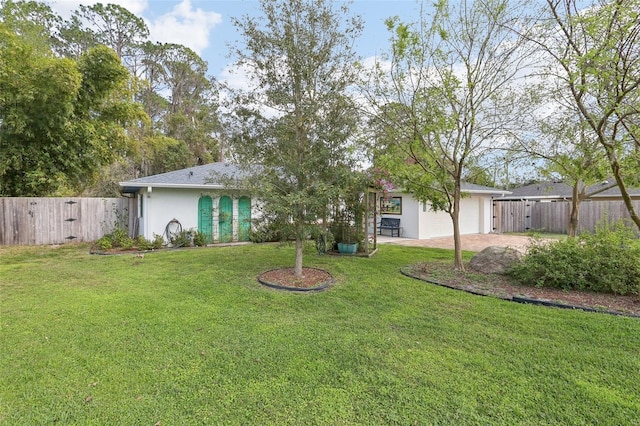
[(34, 22), (111, 25), (300, 59), (169, 80), (60, 120), (192, 116), (594, 54), (446, 97), (568, 147)]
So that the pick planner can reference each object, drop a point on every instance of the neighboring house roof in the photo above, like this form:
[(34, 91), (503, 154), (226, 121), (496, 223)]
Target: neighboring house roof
[(471, 188), (199, 177), (559, 190)]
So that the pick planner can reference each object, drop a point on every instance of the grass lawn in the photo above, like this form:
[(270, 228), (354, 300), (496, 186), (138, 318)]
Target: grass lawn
[(189, 337)]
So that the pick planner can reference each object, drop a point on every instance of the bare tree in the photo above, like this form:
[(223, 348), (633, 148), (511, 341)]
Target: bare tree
[(594, 53), (447, 96)]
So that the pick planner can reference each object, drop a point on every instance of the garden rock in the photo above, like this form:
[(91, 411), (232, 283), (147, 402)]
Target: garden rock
[(495, 259)]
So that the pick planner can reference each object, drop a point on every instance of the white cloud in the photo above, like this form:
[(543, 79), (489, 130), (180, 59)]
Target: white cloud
[(236, 78), (185, 25)]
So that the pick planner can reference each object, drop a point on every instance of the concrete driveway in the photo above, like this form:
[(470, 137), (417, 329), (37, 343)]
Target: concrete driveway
[(474, 242)]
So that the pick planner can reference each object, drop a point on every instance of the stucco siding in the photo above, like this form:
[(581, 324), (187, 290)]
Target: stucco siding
[(162, 205), (434, 224), (419, 221)]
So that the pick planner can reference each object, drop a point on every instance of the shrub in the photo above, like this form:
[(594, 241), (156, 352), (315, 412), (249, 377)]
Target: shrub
[(158, 242), (104, 243), (143, 244), (120, 238), (199, 239), (183, 239), (269, 229), (607, 261)]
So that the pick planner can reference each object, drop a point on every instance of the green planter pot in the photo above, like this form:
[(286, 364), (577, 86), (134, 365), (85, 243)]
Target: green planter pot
[(348, 248)]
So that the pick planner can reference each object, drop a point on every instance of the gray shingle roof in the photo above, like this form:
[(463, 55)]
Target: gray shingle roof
[(192, 177), (204, 177), (561, 190)]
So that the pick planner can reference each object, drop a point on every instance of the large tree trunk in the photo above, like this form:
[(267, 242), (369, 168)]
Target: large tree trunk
[(625, 194), (575, 206), (297, 270), (455, 218)]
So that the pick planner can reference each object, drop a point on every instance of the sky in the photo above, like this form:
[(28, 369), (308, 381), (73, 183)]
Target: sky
[(205, 25)]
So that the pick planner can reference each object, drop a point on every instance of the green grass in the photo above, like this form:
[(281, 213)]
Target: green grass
[(189, 337)]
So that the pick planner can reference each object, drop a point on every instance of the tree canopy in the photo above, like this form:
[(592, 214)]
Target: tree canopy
[(445, 99), (295, 125), (168, 81), (60, 119)]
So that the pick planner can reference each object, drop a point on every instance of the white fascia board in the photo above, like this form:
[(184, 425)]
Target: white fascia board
[(172, 185), (486, 191), (467, 191)]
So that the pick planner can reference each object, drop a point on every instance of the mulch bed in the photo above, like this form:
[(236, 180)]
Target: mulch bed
[(505, 288), (284, 279)]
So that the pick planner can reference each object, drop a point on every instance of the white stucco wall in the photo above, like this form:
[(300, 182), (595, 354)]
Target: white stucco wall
[(162, 205), (420, 222)]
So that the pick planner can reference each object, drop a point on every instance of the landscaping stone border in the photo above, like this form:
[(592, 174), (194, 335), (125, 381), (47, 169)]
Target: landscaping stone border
[(519, 299), (317, 288)]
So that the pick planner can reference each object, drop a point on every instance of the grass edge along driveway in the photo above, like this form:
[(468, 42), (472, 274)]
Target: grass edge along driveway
[(189, 337)]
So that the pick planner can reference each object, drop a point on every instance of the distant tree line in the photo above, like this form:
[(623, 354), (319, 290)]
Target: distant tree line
[(89, 101)]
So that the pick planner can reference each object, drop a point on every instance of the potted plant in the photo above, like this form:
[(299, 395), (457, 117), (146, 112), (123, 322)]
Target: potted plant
[(345, 235), (349, 243)]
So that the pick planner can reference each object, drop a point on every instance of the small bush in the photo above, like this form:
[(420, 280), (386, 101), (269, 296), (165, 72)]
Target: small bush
[(157, 242), (271, 229), (607, 261), (199, 239), (183, 239), (104, 243), (143, 244), (120, 238)]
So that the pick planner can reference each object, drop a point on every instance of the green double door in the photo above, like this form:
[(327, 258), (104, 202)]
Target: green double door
[(225, 219), (244, 218), (205, 217)]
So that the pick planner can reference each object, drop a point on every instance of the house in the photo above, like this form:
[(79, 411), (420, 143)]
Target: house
[(559, 191), (418, 221), (196, 198), (192, 199)]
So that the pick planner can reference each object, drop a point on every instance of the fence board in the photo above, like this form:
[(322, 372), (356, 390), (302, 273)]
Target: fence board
[(524, 216), (38, 220)]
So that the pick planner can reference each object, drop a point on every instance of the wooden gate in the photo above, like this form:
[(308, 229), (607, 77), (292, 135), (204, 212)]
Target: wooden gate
[(50, 220)]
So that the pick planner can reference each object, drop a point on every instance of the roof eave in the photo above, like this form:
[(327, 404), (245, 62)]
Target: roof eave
[(140, 185)]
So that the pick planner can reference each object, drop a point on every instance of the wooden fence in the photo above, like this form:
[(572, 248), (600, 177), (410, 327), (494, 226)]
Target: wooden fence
[(525, 216), (34, 221)]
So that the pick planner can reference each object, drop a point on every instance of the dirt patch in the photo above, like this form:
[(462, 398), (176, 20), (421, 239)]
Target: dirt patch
[(505, 288)]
